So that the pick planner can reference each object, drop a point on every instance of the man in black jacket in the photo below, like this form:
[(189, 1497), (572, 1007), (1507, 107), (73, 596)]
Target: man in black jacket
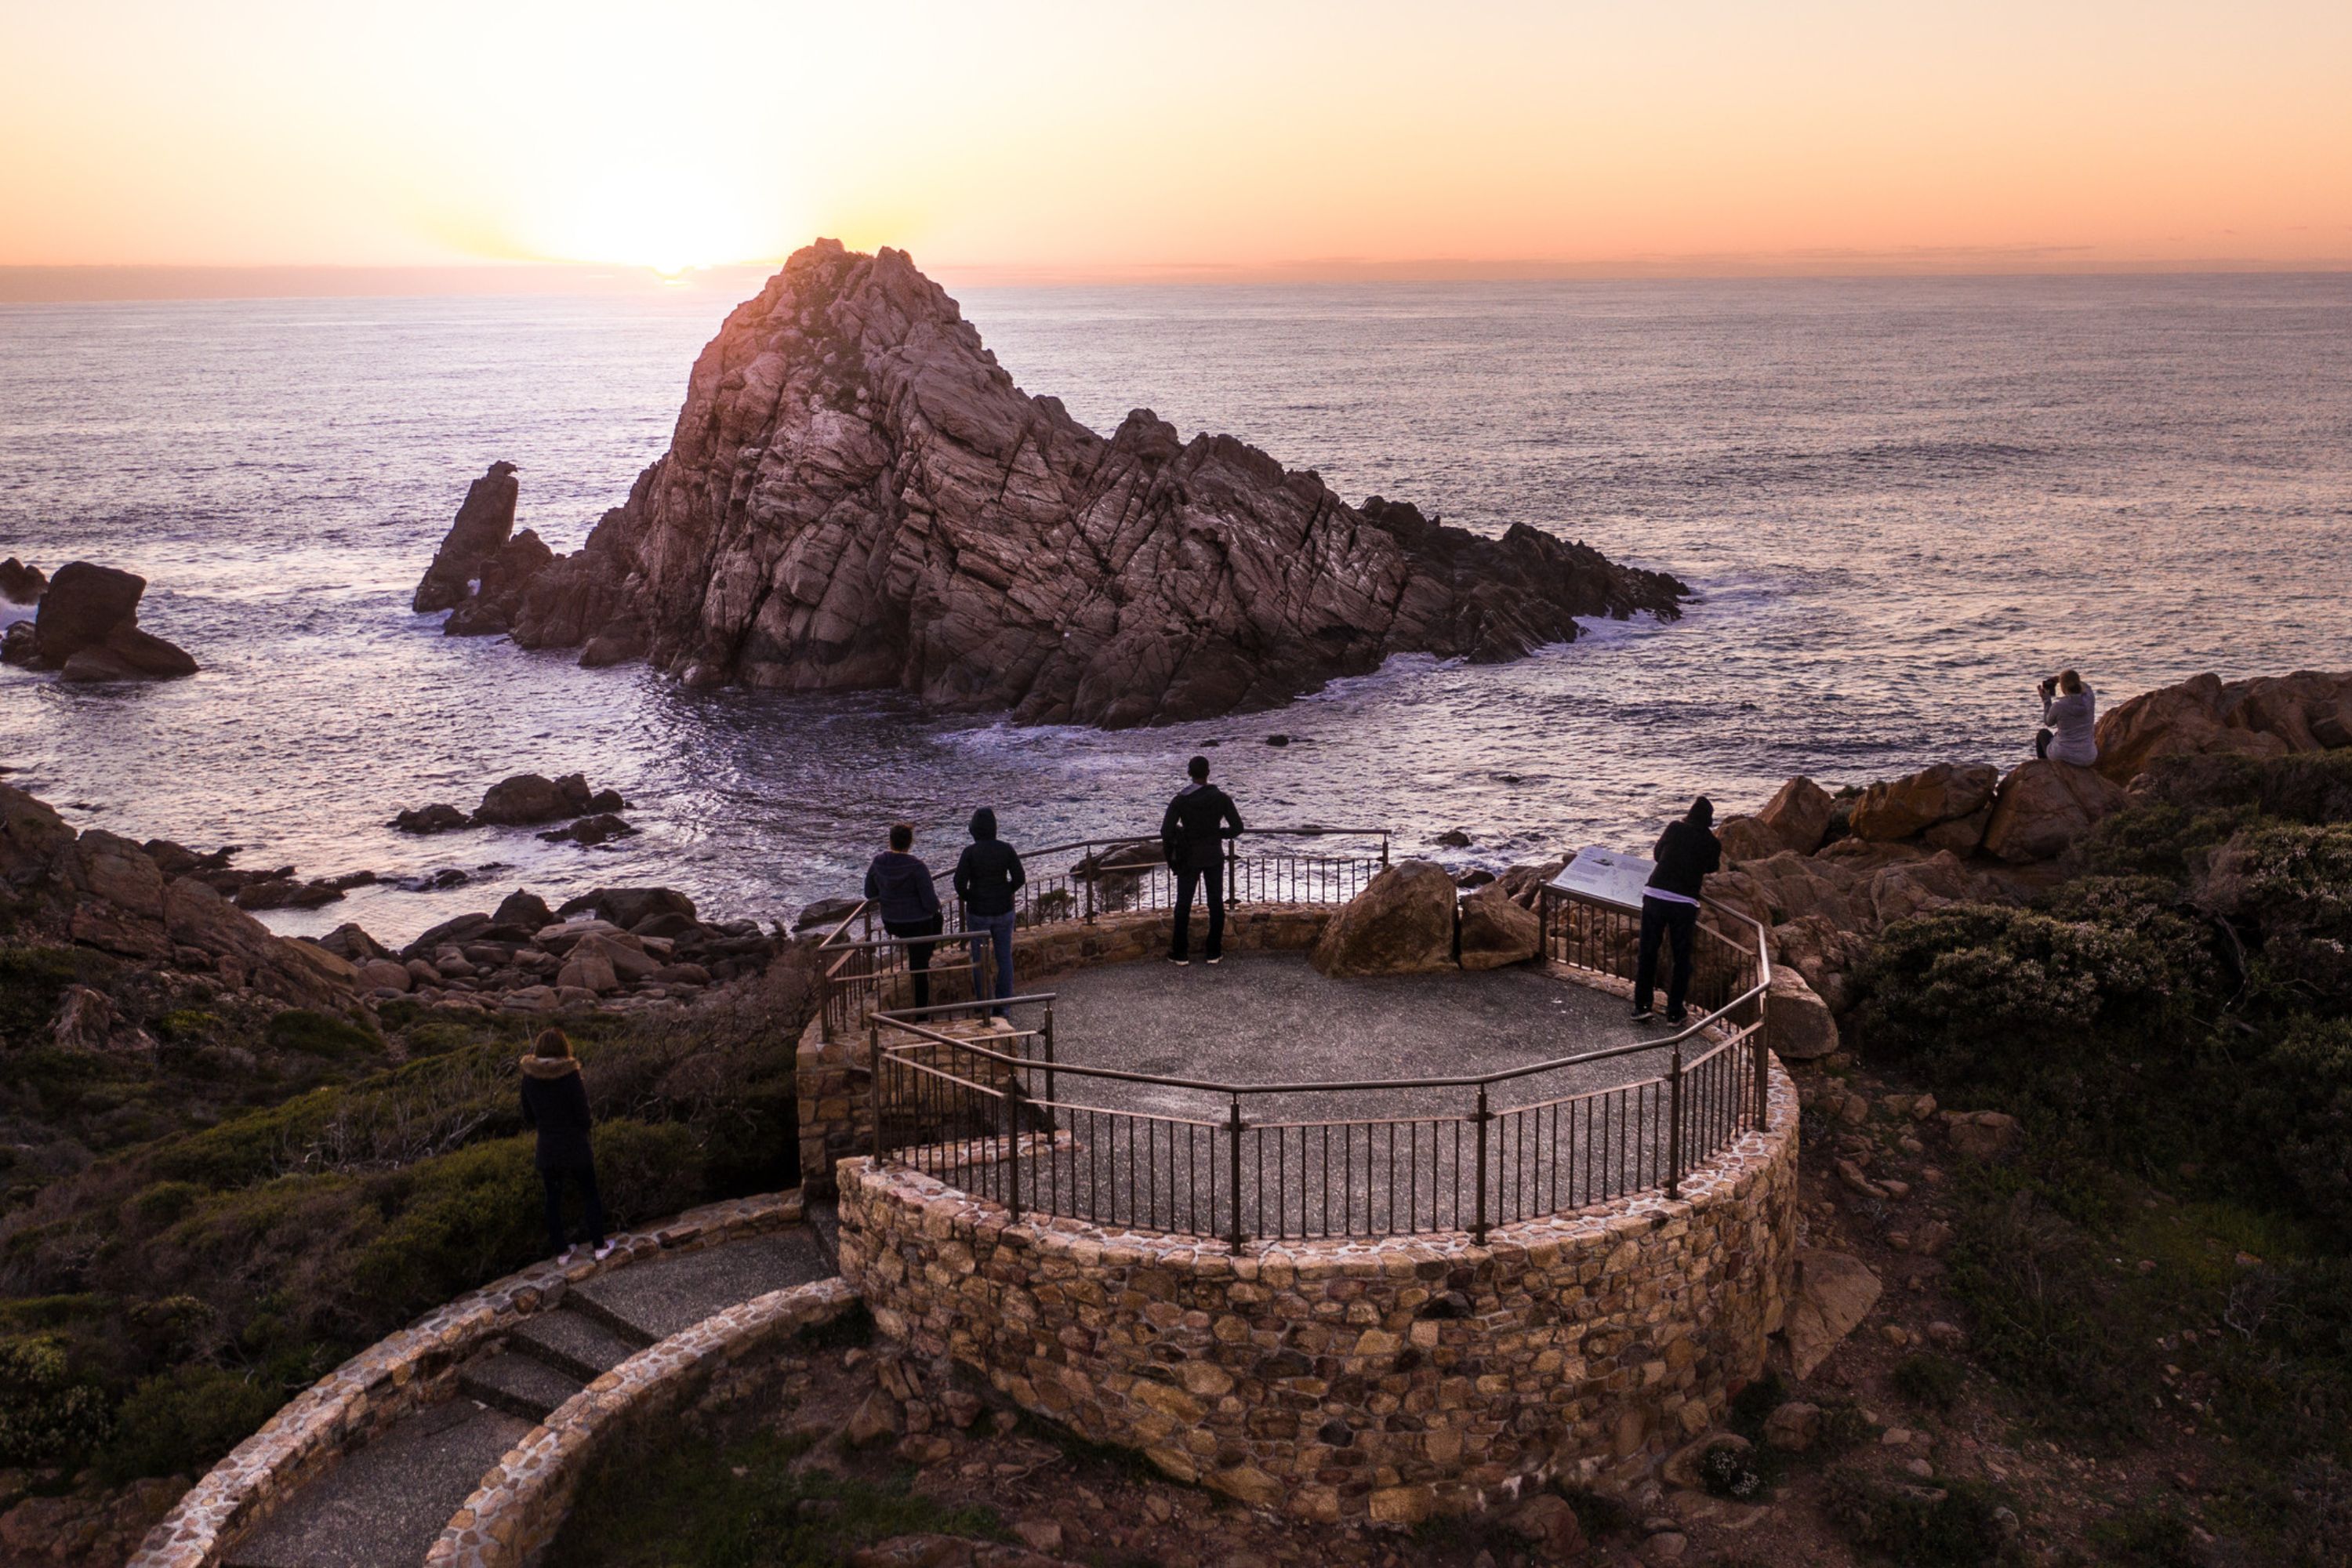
[(900, 887), (1193, 833), (1686, 851), (986, 878)]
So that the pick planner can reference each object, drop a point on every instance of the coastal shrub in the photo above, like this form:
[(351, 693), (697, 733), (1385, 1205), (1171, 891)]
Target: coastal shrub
[(2148, 1535), (1929, 1381), (48, 1415), (164, 1202), (2085, 1019), (2159, 839), (661, 1499), (2300, 1099), (33, 980), (181, 1421), (250, 1147), (319, 1035), (183, 1024), (1952, 1526)]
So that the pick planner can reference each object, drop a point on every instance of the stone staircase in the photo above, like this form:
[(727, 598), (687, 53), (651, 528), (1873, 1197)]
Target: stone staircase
[(382, 1505)]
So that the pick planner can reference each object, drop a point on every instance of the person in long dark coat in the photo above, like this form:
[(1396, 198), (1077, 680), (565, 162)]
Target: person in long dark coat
[(555, 1102)]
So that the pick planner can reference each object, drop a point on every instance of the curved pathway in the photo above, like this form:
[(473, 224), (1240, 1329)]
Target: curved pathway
[(383, 1505)]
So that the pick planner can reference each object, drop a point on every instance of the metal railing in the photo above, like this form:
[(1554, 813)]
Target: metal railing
[(866, 967), (992, 1109)]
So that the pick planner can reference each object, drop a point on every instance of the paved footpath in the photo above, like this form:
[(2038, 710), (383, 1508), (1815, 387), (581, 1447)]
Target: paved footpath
[(383, 1505)]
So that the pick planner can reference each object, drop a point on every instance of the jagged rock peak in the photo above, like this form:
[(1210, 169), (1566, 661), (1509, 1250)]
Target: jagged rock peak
[(856, 495)]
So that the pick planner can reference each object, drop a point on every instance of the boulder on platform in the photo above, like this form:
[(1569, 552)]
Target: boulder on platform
[(1401, 923), (1496, 932)]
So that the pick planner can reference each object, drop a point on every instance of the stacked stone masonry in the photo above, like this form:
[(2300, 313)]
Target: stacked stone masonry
[(522, 1503), (835, 1079), (413, 1368), (1388, 1381)]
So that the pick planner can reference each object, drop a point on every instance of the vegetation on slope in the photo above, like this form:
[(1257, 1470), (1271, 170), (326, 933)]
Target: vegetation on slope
[(193, 1235)]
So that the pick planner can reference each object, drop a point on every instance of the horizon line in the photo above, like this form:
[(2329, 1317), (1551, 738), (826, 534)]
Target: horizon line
[(99, 282)]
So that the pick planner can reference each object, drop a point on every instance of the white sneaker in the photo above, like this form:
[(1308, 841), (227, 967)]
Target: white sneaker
[(563, 1259), (605, 1250), (1217, 960), (1182, 962)]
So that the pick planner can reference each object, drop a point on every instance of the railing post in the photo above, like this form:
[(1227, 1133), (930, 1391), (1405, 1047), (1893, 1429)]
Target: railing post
[(1384, 851), (1763, 1068), (1674, 1125), (1094, 875), (1478, 1119), (1233, 1141), (874, 1074), (1013, 1146), (1048, 1032)]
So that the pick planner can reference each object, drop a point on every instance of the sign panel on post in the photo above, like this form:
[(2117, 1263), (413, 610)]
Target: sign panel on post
[(1607, 876)]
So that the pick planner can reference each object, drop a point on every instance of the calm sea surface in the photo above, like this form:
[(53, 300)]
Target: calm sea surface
[(1902, 502)]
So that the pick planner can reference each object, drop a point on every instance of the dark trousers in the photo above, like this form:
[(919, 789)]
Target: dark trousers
[(585, 1178), (918, 953), (2041, 739), (1662, 918), (992, 934), (1191, 878)]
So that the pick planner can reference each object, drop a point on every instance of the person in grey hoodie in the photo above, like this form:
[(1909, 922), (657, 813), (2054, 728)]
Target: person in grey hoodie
[(555, 1104), (900, 887), (2070, 712)]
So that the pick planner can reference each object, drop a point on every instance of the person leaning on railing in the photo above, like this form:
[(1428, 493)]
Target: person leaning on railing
[(986, 878), (1686, 851), (899, 886)]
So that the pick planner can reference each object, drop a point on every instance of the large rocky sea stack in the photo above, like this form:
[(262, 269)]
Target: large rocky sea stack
[(857, 496)]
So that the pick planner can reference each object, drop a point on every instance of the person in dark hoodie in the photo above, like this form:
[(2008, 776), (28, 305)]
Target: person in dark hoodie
[(986, 877), (1685, 853), (901, 887), (1193, 833), (555, 1101)]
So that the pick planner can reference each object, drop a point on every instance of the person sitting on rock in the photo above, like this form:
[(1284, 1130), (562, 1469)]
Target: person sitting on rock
[(1193, 833), (2069, 712), (1686, 851), (555, 1102), (901, 885), (986, 878)]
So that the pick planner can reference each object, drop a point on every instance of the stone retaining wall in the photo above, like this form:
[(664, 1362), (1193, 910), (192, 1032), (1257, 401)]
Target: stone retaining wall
[(521, 1504), (834, 1078), (415, 1367), (1389, 1380)]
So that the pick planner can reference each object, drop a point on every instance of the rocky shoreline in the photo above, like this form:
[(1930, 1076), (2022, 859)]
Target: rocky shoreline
[(857, 496), (86, 625)]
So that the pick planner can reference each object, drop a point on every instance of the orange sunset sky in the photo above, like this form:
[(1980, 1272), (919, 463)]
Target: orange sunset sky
[(1119, 140)]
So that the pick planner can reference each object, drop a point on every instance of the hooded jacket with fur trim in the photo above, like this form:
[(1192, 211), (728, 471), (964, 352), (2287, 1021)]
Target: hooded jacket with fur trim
[(555, 1101)]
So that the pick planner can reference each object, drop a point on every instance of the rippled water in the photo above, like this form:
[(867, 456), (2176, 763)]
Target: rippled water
[(1902, 501)]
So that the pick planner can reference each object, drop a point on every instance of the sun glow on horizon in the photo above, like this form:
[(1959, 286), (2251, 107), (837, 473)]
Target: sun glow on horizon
[(1082, 140)]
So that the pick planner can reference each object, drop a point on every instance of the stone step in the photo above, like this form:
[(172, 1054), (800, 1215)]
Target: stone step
[(654, 1299), (518, 1384), (383, 1506), (573, 1342)]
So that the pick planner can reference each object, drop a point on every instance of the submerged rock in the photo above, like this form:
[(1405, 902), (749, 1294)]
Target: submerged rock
[(20, 584), (856, 495)]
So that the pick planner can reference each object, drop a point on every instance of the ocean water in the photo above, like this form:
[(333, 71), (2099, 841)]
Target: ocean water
[(1902, 502)]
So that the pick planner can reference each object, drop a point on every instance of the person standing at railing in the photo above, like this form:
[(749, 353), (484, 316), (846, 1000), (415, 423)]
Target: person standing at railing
[(1685, 853), (1193, 833), (900, 887), (986, 878)]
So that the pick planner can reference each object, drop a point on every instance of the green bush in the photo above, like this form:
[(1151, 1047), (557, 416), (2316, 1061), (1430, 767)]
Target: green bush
[(1958, 1529), (185, 1023), (1929, 1381), (165, 1203), (48, 1415), (2300, 1099), (319, 1035), (251, 1147), (180, 1422)]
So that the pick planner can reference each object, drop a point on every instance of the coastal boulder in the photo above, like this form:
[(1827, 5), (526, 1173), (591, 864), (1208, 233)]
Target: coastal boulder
[(1496, 932), (1747, 838), (2267, 716), (629, 907), (1799, 814), (1833, 1292), (1908, 807), (2044, 807), (83, 606), (482, 525), (858, 495), (20, 584), (1798, 1025), (1401, 923), (436, 818), (522, 801)]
